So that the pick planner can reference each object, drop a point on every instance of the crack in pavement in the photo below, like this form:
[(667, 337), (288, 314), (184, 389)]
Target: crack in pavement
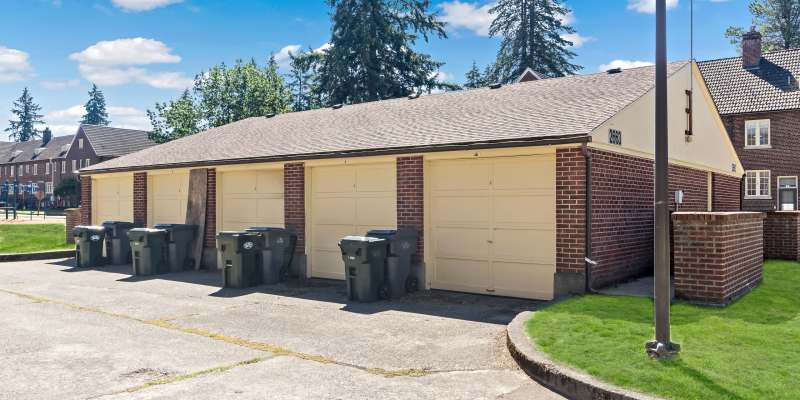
[(233, 340)]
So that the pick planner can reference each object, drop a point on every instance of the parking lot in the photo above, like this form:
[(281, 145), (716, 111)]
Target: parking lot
[(101, 333)]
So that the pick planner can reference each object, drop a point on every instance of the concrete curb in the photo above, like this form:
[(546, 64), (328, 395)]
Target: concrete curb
[(45, 255), (566, 381)]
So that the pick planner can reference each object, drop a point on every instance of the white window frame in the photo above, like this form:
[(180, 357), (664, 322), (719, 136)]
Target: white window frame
[(759, 178), (63, 166), (80, 163), (27, 168), (759, 123), (86, 164), (48, 188), (13, 170), (74, 165), (47, 168), (35, 169), (80, 143)]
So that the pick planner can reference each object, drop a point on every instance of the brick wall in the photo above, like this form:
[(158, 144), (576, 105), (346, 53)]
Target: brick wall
[(781, 159), (727, 193), (411, 197), (694, 184), (718, 257), (781, 235), (73, 218), (570, 211), (140, 198), (294, 202), (86, 200), (210, 233)]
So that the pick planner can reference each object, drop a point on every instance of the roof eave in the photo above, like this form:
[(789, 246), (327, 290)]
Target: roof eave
[(547, 141)]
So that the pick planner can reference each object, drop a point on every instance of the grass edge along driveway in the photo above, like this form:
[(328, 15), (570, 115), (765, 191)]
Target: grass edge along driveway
[(749, 350), (31, 238)]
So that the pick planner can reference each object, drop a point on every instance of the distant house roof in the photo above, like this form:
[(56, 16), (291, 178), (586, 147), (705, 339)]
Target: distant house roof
[(114, 142), (34, 150), (545, 111), (529, 75), (770, 87)]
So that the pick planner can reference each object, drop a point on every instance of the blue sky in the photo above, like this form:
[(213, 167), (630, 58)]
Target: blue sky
[(143, 51)]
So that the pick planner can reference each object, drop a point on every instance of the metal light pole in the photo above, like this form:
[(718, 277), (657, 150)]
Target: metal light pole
[(661, 347)]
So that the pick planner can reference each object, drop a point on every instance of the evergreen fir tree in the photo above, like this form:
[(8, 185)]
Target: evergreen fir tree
[(372, 55), (26, 111), (777, 20), (489, 75), (473, 77), (532, 38), (304, 80), (95, 108)]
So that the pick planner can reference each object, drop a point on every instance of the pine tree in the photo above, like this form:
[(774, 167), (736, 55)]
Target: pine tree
[(23, 128), (304, 80), (532, 38), (95, 108), (777, 20), (473, 77), (489, 75), (372, 56)]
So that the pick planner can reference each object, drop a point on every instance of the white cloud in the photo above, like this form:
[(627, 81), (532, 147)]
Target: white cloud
[(324, 47), (283, 54), (65, 122), (469, 16), (577, 39), (121, 61), (14, 65), (60, 85), (649, 6), (142, 5), (624, 64)]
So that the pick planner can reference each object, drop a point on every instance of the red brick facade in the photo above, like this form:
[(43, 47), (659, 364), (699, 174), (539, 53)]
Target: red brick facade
[(73, 218), (570, 211), (718, 257), (294, 202), (727, 193), (210, 233), (411, 197), (782, 235), (140, 198), (86, 200), (780, 159)]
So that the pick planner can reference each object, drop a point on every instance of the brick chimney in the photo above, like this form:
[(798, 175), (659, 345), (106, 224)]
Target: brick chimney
[(751, 49)]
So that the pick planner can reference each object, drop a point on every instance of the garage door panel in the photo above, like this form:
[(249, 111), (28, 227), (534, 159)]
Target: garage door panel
[(523, 279), (333, 179), (270, 212), (169, 211), (380, 211), (524, 173), (461, 175), (328, 264), (376, 178), (270, 182), (113, 199), (462, 210), (524, 245), (243, 182), (459, 274), (251, 198), (464, 243), (516, 210), (334, 210)]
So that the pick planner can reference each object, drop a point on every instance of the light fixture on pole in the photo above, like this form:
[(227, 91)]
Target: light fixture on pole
[(661, 347)]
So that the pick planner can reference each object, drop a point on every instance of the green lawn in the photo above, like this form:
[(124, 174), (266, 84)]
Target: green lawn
[(32, 238), (749, 350)]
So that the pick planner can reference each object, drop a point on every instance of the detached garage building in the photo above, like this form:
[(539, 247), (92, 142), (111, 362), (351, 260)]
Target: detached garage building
[(495, 180)]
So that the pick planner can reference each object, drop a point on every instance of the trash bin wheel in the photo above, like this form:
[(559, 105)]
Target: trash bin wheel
[(412, 284), (385, 292)]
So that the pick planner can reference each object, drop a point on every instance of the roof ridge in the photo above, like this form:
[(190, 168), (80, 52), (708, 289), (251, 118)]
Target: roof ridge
[(739, 57)]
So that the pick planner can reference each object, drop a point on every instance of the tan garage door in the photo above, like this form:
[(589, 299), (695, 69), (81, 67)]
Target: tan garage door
[(493, 225), (251, 198), (348, 200), (168, 195), (112, 199)]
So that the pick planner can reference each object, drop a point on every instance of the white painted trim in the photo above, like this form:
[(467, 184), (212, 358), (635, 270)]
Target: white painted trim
[(758, 184), (778, 191), (758, 134)]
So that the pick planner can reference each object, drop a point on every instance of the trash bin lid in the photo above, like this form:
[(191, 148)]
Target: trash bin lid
[(382, 233), (362, 239), (148, 230), (264, 229), (117, 223), (176, 227), (90, 228)]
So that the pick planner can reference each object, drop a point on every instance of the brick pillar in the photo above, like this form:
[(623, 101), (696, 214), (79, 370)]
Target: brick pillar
[(411, 198), (782, 235), (294, 202), (73, 218), (718, 257), (570, 221), (140, 198), (211, 209), (86, 200)]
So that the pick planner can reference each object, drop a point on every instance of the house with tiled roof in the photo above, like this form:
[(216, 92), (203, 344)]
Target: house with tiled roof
[(533, 189), (43, 164), (758, 98)]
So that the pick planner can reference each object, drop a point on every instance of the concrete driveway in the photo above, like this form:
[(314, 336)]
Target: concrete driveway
[(69, 333)]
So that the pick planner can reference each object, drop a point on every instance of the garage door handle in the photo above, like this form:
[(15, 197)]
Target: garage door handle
[(490, 241)]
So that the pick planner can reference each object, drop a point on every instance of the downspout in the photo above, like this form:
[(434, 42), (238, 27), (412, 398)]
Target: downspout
[(590, 264)]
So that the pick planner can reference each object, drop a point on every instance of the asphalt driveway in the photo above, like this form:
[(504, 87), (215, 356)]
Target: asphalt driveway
[(100, 333)]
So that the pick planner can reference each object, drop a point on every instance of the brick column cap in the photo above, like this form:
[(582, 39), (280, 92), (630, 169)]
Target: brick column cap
[(715, 217)]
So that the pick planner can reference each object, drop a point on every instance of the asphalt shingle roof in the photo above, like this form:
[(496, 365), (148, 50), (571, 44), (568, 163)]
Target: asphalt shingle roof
[(113, 142), (560, 108), (55, 148), (767, 88)]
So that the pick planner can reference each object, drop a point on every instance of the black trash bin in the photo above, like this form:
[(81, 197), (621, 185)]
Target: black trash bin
[(364, 260), (89, 245), (179, 245), (238, 256), (402, 247), (150, 252), (277, 253), (118, 248)]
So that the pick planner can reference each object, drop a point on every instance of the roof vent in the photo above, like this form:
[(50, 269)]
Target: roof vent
[(337, 106), (495, 86), (614, 70), (413, 96), (38, 150), (270, 115)]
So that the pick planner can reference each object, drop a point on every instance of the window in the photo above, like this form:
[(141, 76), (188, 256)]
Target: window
[(27, 168), (63, 167), (74, 165), (21, 170), (80, 162), (80, 143), (86, 163), (48, 188), (47, 168), (756, 134), (756, 184), (12, 170), (36, 169)]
